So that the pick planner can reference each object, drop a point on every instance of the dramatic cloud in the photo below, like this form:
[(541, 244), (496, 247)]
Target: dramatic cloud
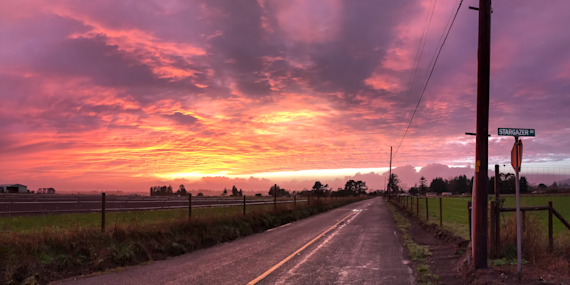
[(125, 94)]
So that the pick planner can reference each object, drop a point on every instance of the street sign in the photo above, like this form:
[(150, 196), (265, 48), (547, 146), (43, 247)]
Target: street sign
[(516, 132), (514, 156)]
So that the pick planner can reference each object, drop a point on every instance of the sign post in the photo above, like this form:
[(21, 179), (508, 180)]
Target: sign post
[(516, 159)]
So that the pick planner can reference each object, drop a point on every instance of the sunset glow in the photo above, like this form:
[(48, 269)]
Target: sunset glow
[(130, 95)]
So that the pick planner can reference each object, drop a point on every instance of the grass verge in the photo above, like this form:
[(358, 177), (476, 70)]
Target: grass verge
[(417, 252), (38, 258)]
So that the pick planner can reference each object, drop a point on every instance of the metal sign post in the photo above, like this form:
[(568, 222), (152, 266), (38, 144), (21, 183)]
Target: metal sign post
[(518, 191), (516, 160)]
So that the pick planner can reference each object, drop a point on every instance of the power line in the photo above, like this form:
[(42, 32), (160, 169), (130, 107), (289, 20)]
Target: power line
[(427, 81), (419, 53)]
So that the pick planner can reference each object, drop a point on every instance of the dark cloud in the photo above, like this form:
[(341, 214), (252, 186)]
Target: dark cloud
[(182, 119)]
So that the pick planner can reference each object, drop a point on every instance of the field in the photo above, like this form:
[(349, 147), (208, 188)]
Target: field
[(455, 214), (73, 221)]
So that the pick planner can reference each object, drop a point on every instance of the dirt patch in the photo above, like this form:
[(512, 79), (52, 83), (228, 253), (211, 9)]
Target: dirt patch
[(446, 249)]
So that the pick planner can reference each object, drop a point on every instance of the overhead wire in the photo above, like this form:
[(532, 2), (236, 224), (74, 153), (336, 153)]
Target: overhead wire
[(428, 78), (419, 53)]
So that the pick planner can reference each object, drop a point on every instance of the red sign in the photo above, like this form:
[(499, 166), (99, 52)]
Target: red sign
[(513, 155)]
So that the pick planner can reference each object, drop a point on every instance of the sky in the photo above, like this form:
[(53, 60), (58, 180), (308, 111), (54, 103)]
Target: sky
[(129, 94)]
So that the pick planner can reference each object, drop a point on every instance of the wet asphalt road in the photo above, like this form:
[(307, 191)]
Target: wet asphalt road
[(363, 249)]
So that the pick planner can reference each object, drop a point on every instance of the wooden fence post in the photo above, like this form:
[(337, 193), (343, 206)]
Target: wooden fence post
[(102, 212), (550, 227), (244, 205), (469, 217), (189, 205), (427, 210), (294, 201), (418, 206), (493, 240), (497, 229), (440, 212), (275, 198)]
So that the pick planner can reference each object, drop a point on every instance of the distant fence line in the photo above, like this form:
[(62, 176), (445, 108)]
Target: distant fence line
[(51, 204)]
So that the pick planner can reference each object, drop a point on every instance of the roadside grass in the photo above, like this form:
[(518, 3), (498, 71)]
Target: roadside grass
[(417, 252), (52, 254)]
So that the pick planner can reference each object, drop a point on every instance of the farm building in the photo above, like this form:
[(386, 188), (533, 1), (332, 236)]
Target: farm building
[(13, 188)]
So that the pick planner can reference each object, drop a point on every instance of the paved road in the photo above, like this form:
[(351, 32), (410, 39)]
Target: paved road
[(362, 249)]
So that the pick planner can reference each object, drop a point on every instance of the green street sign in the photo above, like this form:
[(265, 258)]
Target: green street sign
[(516, 132)]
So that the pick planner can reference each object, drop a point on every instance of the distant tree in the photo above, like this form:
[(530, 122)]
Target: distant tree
[(361, 188), (240, 193), (394, 183), (200, 194), (181, 190), (540, 186), (280, 191), (554, 185), (459, 185), (415, 190), (524, 185), (258, 195), (423, 185), (438, 185), (50, 191), (225, 193), (272, 188), (319, 189), (235, 192)]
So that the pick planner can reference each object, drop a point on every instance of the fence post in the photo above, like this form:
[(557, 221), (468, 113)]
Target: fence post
[(427, 210), (189, 205), (418, 206), (244, 205), (103, 212), (550, 228), (497, 229), (469, 217), (275, 198), (294, 201), (440, 212), (493, 240)]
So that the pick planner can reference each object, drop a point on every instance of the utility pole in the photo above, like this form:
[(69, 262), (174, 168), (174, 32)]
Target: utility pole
[(390, 176), (482, 141)]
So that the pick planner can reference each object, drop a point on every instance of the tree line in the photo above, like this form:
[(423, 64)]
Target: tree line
[(351, 188), (460, 184)]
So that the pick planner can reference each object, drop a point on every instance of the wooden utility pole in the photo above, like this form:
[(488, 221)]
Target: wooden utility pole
[(390, 176), (275, 198), (497, 212), (482, 141)]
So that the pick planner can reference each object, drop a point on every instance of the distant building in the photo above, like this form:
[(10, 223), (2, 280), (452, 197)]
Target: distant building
[(446, 194), (431, 194), (13, 188)]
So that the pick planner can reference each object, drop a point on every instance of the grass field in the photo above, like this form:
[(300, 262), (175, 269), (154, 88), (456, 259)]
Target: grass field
[(62, 222), (455, 213)]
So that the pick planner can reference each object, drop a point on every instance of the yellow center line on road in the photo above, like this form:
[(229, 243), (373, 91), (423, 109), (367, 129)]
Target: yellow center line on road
[(260, 277)]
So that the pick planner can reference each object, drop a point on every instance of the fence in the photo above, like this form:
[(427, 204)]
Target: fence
[(54, 204), (454, 214), (23, 213)]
